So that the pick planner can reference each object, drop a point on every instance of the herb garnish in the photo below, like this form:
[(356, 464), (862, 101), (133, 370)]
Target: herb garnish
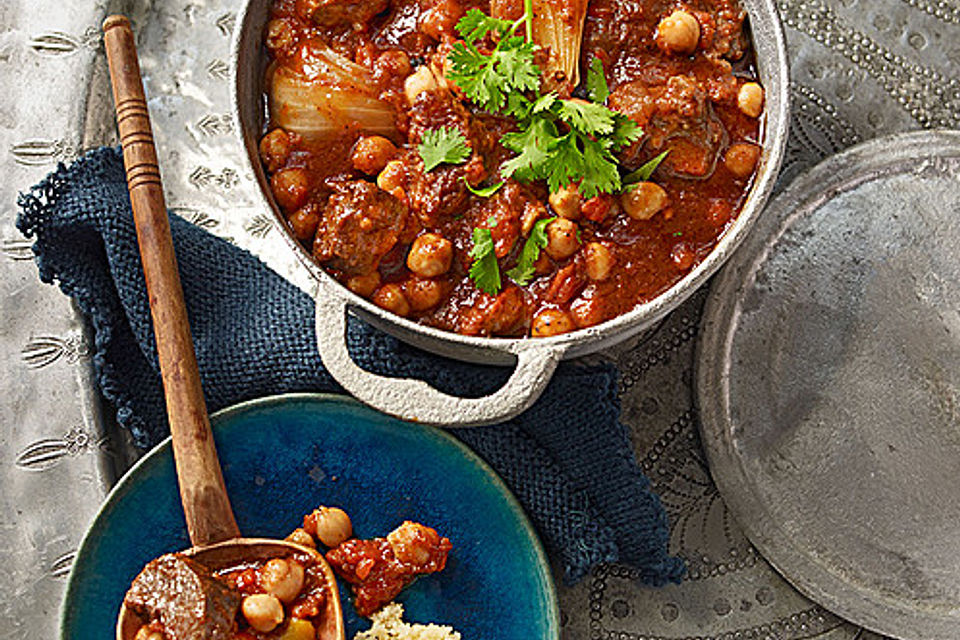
[(596, 86), (446, 144), (485, 271), (558, 140), (483, 192), (644, 172), (488, 78), (525, 268)]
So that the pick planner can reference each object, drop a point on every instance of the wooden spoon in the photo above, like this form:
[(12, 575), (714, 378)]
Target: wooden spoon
[(213, 530)]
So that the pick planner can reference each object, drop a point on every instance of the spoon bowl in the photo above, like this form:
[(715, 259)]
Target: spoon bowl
[(228, 554), (210, 521)]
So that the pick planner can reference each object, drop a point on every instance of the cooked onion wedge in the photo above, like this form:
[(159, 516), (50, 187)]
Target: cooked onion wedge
[(558, 28), (325, 95)]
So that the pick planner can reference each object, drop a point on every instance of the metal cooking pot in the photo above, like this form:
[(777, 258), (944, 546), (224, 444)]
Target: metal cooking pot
[(534, 358)]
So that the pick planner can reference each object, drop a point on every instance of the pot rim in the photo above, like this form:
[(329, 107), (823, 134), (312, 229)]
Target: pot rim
[(769, 45)]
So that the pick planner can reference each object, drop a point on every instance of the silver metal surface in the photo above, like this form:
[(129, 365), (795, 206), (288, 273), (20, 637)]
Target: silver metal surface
[(829, 384), (393, 395), (859, 69)]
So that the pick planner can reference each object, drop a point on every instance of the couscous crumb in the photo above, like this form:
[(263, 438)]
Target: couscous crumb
[(388, 624)]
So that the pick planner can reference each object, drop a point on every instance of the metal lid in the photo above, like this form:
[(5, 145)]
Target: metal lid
[(829, 384)]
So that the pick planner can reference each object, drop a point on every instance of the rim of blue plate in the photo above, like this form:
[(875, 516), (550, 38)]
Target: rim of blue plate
[(434, 432)]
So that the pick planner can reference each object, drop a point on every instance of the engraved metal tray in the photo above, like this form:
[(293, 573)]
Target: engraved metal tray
[(829, 384)]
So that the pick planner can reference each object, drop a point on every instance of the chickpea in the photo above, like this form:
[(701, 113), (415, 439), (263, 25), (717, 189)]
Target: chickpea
[(587, 310), (394, 62), (643, 201), (679, 32), (290, 187), (430, 255), (418, 82), (263, 611), (372, 153), (279, 35), (551, 322), (282, 578), (562, 241), (275, 149), (598, 261), (393, 177), (412, 542), (441, 19), (146, 633), (741, 158), (423, 294), (303, 222), (364, 285), (302, 538), (750, 99), (331, 525), (298, 629), (566, 202), (390, 297)]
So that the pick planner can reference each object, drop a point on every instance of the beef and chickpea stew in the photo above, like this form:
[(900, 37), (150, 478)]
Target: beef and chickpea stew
[(510, 167), (177, 597)]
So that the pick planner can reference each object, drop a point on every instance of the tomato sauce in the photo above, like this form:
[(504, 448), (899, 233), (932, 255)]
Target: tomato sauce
[(689, 104)]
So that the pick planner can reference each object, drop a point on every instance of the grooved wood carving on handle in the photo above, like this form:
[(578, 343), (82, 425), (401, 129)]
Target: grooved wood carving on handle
[(202, 492)]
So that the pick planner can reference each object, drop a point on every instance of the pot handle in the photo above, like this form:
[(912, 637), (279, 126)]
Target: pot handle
[(415, 400)]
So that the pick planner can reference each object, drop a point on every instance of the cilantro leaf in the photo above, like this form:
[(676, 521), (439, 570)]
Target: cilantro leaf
[(484, 192), (626, 131), (645, 171), (602, 175), (485, 271), (518, 106), (446, 144), (565, 163), (475, 24), (586, 117), (524, 270), (514, 59), (544, 103), (597, 87), (487, 79), (533, 146)]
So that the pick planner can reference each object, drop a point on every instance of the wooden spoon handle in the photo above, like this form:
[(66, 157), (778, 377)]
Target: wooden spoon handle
[(204, 496)]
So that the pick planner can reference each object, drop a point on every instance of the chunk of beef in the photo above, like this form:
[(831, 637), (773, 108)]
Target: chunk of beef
[(360, 224), (186, 598), (676, 115), (442, 191), (503, 314)]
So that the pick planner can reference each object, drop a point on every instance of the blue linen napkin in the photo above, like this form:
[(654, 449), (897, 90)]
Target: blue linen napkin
[(567, 459)]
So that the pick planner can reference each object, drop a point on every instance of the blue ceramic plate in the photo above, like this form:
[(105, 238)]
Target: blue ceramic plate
[(284, 456)]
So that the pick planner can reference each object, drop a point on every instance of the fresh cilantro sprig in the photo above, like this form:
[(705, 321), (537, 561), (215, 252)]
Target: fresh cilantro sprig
[(558, 140), (443, 145), (485, 271), (525, 269), (487, 79), (584, 153)]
